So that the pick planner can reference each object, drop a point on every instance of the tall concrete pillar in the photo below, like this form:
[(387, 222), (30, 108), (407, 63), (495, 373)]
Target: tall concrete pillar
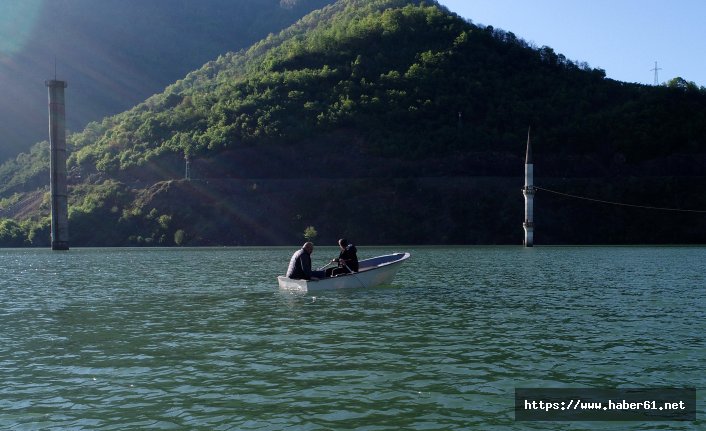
[(57, 166)]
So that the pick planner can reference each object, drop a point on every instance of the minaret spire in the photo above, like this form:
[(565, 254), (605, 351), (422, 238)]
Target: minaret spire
[(528, 191), (528, 155)]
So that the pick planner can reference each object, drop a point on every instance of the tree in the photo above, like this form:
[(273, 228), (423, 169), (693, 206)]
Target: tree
[(179, 237), (310, 233), (682, 83), (11, 234)]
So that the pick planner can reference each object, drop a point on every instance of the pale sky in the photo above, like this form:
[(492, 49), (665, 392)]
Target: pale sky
[(622, 37)]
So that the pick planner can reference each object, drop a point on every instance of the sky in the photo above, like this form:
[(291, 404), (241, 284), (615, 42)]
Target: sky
[(623, 37)]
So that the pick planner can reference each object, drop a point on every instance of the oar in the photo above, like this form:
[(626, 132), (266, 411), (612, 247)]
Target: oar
[(325, 266), (353, 274)]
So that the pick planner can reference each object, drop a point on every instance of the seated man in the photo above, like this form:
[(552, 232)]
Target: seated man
[(347, 259), (300, 264)]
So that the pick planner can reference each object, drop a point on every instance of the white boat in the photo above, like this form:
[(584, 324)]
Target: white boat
[(373, 272)]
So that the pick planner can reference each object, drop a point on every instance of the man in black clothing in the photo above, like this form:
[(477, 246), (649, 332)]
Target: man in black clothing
[(347, 259), (300, 264)]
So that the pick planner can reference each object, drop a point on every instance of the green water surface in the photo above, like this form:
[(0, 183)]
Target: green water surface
[(202, 339)]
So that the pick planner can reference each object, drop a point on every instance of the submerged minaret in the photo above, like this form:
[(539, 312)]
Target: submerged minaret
[(528, 192), (57, 166)]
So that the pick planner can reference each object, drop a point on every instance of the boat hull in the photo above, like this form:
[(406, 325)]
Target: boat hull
[(373, 272)]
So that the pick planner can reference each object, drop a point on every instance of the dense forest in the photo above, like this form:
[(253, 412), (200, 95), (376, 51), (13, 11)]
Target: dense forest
[(387, 121)]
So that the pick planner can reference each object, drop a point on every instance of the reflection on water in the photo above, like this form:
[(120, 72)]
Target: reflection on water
[(202, 339)]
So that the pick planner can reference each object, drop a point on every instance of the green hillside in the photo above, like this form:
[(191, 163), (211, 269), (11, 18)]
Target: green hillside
[(388, 121)]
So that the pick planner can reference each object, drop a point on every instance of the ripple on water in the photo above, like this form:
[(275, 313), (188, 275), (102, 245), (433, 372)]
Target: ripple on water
[(202, 339)]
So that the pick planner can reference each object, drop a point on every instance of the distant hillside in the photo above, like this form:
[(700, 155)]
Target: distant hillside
[(388, 121), (116, 53)]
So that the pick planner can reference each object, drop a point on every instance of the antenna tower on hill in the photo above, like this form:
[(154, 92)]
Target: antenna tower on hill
[(655, 70)]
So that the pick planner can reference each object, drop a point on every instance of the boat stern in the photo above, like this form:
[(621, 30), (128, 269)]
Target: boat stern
[(291, 284)]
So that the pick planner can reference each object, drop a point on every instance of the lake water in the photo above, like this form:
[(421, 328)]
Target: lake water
[(202, 339)]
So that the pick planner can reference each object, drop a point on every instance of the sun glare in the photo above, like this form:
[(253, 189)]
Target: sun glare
[(17, 20)]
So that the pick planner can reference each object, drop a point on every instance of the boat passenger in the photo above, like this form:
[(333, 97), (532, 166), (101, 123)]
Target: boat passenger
[(300, 264), (347, 259)]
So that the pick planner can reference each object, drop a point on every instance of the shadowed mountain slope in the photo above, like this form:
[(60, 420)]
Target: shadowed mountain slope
[(115, 53)]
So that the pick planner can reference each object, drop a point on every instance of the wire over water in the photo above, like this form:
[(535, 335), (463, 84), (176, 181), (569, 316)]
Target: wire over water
[(620, 203)]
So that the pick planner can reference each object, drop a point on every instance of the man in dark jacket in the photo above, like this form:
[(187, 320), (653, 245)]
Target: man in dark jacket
[(347, 259), (300, 264)]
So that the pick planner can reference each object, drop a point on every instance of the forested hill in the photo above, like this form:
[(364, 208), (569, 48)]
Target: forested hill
[(387, 121), (116, 53)]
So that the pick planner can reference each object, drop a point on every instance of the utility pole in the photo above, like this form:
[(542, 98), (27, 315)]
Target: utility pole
[(655, 70), (187, 169)]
